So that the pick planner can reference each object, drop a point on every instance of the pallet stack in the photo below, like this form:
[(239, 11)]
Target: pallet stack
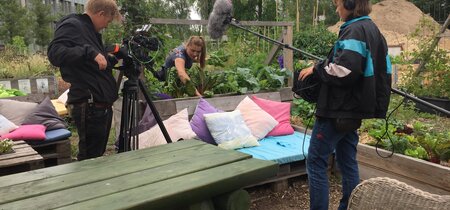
[(23, 158), (55, 152)]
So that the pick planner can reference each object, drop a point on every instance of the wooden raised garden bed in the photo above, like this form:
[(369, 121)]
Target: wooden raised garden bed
[(427, 176), (36, 88)]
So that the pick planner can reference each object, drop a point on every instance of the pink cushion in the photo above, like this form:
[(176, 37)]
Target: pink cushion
[(281, 111), (27, 132)]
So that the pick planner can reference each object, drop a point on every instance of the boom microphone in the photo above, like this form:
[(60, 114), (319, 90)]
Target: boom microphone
[(219, 18)]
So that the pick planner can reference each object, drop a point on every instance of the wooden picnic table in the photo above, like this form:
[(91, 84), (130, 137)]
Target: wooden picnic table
[(171, 176)]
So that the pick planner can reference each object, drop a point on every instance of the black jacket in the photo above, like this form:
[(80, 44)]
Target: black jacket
[(74, 48), (356, 82)]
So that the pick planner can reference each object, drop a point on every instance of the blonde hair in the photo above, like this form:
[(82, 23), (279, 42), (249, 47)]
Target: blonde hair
[(198, 41), (108, 6)]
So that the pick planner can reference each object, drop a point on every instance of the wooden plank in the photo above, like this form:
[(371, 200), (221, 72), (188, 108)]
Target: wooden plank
[(273, 51), (184, 190), (416, 169), (368, 171), (20, 160), (116, 178), (95, 163), (198, 158), (286, 94)]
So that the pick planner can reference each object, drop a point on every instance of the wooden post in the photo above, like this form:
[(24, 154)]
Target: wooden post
[(298, 17), (288, 55), (237, 200)]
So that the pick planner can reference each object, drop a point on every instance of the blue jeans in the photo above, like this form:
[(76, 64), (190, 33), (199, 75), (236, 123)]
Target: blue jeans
[(324, 141)]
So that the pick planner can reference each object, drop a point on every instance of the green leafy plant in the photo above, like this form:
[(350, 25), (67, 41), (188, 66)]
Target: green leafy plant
[(218, 58), (315, 40), (16, 65), (4, 93), (6, 146), (304, 110)]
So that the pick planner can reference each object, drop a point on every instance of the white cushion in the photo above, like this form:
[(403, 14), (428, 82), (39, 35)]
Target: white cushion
[(229, 130), (6, 126), (177, 126)]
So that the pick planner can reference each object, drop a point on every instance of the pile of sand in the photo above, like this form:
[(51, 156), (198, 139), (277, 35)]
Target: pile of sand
[(397, 19)]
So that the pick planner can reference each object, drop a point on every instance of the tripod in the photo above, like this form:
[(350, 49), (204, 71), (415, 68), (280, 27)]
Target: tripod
[(128, 136)]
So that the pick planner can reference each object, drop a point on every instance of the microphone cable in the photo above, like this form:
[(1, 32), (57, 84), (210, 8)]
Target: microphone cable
[(386, 133), (305, 133), (137, 59)]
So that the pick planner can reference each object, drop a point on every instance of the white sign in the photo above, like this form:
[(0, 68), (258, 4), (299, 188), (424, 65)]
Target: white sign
[(5, 84), (42, 85), (24, 85)]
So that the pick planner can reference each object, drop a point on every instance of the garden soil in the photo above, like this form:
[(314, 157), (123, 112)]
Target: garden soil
[(294, 198), (397, 19)]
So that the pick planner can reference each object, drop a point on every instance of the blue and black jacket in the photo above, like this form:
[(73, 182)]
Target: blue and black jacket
[(356, 79)]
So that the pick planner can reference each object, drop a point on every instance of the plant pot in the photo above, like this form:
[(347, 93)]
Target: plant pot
[(440, 102)]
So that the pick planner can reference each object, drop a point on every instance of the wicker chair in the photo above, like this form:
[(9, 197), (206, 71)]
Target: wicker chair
[(385, 193)]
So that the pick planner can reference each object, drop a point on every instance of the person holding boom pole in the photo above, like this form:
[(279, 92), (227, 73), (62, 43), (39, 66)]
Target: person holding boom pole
[(355, 84)]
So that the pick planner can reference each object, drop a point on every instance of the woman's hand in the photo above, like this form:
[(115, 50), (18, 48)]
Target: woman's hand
[(198, 93), (305, 72)]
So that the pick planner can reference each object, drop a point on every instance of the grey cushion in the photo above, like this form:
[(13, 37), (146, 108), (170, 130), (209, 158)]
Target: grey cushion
[(45, 114), (16, 111)]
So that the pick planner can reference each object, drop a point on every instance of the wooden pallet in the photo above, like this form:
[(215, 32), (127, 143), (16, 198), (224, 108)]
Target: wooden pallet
[(55, 152), (24, 158)]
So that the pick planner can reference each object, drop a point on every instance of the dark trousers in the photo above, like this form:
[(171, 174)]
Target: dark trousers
[(93, 125)]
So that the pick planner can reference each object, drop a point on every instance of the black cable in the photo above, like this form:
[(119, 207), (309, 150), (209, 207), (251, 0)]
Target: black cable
[(387, 133)]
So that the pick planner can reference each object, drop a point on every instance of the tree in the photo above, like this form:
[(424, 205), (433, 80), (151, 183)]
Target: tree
[(438, 9), (14, 21), (42, 18)]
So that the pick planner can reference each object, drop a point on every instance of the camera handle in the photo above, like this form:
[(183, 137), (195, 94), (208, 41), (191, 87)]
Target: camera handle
[(128, 137)]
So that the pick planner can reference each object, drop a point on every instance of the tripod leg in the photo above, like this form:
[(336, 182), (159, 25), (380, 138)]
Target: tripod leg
[(128, 137), (155, 112), (123, 135)]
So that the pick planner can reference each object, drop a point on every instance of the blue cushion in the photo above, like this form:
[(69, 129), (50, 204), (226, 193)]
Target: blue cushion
[(281, 149), (58, 134)]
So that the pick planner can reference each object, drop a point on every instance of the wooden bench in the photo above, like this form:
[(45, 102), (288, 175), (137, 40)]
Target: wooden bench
[(172, 176)]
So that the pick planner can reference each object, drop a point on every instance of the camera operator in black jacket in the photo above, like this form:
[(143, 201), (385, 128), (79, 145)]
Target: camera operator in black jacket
[(78, 50)]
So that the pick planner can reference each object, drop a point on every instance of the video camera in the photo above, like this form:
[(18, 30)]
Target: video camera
[(134, 51)]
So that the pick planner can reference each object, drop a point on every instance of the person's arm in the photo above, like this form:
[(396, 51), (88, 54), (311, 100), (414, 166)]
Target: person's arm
[(66, 50), (182, 74), (349, 60), (181, 70)]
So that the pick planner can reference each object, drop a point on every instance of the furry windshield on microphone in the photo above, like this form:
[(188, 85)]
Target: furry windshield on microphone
[(219, 18)]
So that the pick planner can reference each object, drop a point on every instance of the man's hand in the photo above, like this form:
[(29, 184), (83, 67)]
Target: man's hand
[(101, 61), (305, 72)]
